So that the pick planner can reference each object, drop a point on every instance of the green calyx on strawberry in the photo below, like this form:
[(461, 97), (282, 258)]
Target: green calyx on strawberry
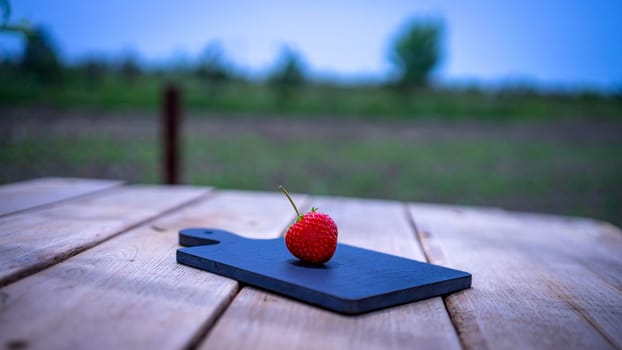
[(313, 237)]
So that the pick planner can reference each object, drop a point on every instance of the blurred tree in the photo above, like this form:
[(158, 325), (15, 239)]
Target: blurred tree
[(417, 51), (40, 58), (6, 26), (289, 74), (212, 68), (130, 69), (5, 7), (93, 70)]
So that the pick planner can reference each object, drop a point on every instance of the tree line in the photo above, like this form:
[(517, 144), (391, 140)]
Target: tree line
[(415, 53)]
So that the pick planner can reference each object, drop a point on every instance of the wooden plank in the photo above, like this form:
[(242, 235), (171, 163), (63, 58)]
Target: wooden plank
[(129, 292), (261, 320), (29, 194), (33, 240), (538, 281)]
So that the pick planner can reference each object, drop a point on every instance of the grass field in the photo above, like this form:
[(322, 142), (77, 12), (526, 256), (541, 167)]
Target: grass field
[(568, 166), (112, 93)]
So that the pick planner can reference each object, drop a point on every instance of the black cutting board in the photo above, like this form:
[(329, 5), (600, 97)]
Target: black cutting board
[(354, 281)]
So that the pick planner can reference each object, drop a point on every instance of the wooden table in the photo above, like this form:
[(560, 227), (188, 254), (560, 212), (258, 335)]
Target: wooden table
[(91, 264)]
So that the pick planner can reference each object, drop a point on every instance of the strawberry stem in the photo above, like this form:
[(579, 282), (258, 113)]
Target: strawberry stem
[(282, 188)]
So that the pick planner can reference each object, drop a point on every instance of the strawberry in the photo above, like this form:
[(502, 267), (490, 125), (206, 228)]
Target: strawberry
[(313, 237)]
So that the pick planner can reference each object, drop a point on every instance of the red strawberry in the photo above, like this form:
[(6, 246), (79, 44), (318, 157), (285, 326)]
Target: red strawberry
[(313, 237)]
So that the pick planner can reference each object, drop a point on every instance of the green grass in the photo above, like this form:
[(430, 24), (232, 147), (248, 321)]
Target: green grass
[(535, 166), (113, 93), (535, 177)]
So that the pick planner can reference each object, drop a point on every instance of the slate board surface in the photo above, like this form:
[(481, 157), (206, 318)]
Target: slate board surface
[(354, 281)]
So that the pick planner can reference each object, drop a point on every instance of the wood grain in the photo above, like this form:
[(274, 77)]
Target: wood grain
[(36, 239), (129, 292), (261, 320), (538, 281), (29, 194)]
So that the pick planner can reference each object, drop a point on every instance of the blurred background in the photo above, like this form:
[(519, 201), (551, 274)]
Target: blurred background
[(516, 104)]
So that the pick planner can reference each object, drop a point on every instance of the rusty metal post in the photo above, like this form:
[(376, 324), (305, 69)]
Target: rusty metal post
[(171, 120)]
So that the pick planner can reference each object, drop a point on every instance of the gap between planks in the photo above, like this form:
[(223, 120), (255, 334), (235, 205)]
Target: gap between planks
[(72, 251), (376, 224), (40, 193), (205, 330), (532, 276), (303, 205), (122, 278), (419, 239)]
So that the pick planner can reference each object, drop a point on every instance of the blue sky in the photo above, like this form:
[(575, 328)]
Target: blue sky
[(552, 43)]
